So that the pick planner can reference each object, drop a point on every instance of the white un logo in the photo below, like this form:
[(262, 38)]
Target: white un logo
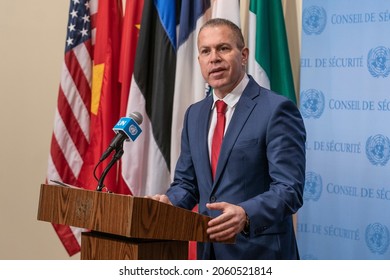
[(133, 129)]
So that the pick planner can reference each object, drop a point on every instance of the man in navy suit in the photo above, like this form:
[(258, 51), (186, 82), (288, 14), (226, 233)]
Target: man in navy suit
[(259, 178)]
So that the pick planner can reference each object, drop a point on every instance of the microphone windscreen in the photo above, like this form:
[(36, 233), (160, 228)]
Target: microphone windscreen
[(136, 116)]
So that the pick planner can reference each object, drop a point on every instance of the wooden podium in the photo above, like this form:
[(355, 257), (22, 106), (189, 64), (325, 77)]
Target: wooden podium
[(121, 226)]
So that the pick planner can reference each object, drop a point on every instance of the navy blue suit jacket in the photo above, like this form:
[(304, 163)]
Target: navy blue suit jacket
[(261, 168)]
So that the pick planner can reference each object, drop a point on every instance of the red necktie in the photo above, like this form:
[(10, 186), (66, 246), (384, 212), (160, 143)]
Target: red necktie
[(218, 134)]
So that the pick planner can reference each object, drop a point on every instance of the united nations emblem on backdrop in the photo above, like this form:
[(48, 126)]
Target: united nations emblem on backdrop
[(377, 238), (378, 62), (312, 103), (378, 149), (313, 186), (313, 20)]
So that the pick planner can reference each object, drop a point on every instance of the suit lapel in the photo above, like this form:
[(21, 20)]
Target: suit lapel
[(243, 110), (203, 129)]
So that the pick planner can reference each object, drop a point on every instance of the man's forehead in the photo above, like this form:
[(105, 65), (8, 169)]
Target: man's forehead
[(221, 37)]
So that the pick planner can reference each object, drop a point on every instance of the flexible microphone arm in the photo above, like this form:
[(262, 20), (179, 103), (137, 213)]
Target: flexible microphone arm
[(118, 154), (126, 128)]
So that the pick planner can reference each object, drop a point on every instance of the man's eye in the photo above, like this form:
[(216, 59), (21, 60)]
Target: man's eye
[(224, 49)]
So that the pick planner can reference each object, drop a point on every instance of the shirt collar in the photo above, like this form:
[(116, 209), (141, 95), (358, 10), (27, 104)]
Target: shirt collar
[(232, 97)]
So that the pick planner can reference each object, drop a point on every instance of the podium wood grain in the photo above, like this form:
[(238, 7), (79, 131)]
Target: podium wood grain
[(98, 246), (121, 226), (122, 215)]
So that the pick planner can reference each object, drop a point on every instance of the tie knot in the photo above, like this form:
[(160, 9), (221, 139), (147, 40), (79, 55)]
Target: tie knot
[(221, 106)]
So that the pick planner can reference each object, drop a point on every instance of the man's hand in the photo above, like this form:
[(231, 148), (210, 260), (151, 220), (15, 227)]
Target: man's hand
[(161, 198), (228, 224)]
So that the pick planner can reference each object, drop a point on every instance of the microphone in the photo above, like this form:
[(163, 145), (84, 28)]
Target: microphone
[(126, 128)]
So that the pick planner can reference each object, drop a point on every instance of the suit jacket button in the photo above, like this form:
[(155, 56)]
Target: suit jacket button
[(213, 199)]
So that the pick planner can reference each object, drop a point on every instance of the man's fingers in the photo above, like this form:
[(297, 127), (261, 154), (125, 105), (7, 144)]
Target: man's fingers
[(216, 206), (160, 197)]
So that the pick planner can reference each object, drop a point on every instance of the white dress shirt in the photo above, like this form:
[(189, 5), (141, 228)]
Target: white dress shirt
[(231, 100)]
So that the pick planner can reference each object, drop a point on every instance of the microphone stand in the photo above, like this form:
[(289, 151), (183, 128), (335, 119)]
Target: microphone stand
[(118, 154)]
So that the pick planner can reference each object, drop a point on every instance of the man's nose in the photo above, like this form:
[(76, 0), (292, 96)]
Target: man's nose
[(214, 56)]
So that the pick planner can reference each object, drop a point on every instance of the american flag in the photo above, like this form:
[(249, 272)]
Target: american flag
[(71, 133)]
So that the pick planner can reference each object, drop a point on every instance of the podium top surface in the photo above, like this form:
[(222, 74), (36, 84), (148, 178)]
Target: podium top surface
[(123, 215)]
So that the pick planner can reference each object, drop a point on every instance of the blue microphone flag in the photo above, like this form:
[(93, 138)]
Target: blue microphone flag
[(128, 126)]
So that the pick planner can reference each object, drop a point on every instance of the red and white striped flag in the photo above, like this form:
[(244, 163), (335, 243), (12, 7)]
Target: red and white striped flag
[(88, 100)]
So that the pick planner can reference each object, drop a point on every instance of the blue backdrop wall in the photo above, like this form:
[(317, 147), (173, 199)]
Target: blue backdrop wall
[(345, 102)]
